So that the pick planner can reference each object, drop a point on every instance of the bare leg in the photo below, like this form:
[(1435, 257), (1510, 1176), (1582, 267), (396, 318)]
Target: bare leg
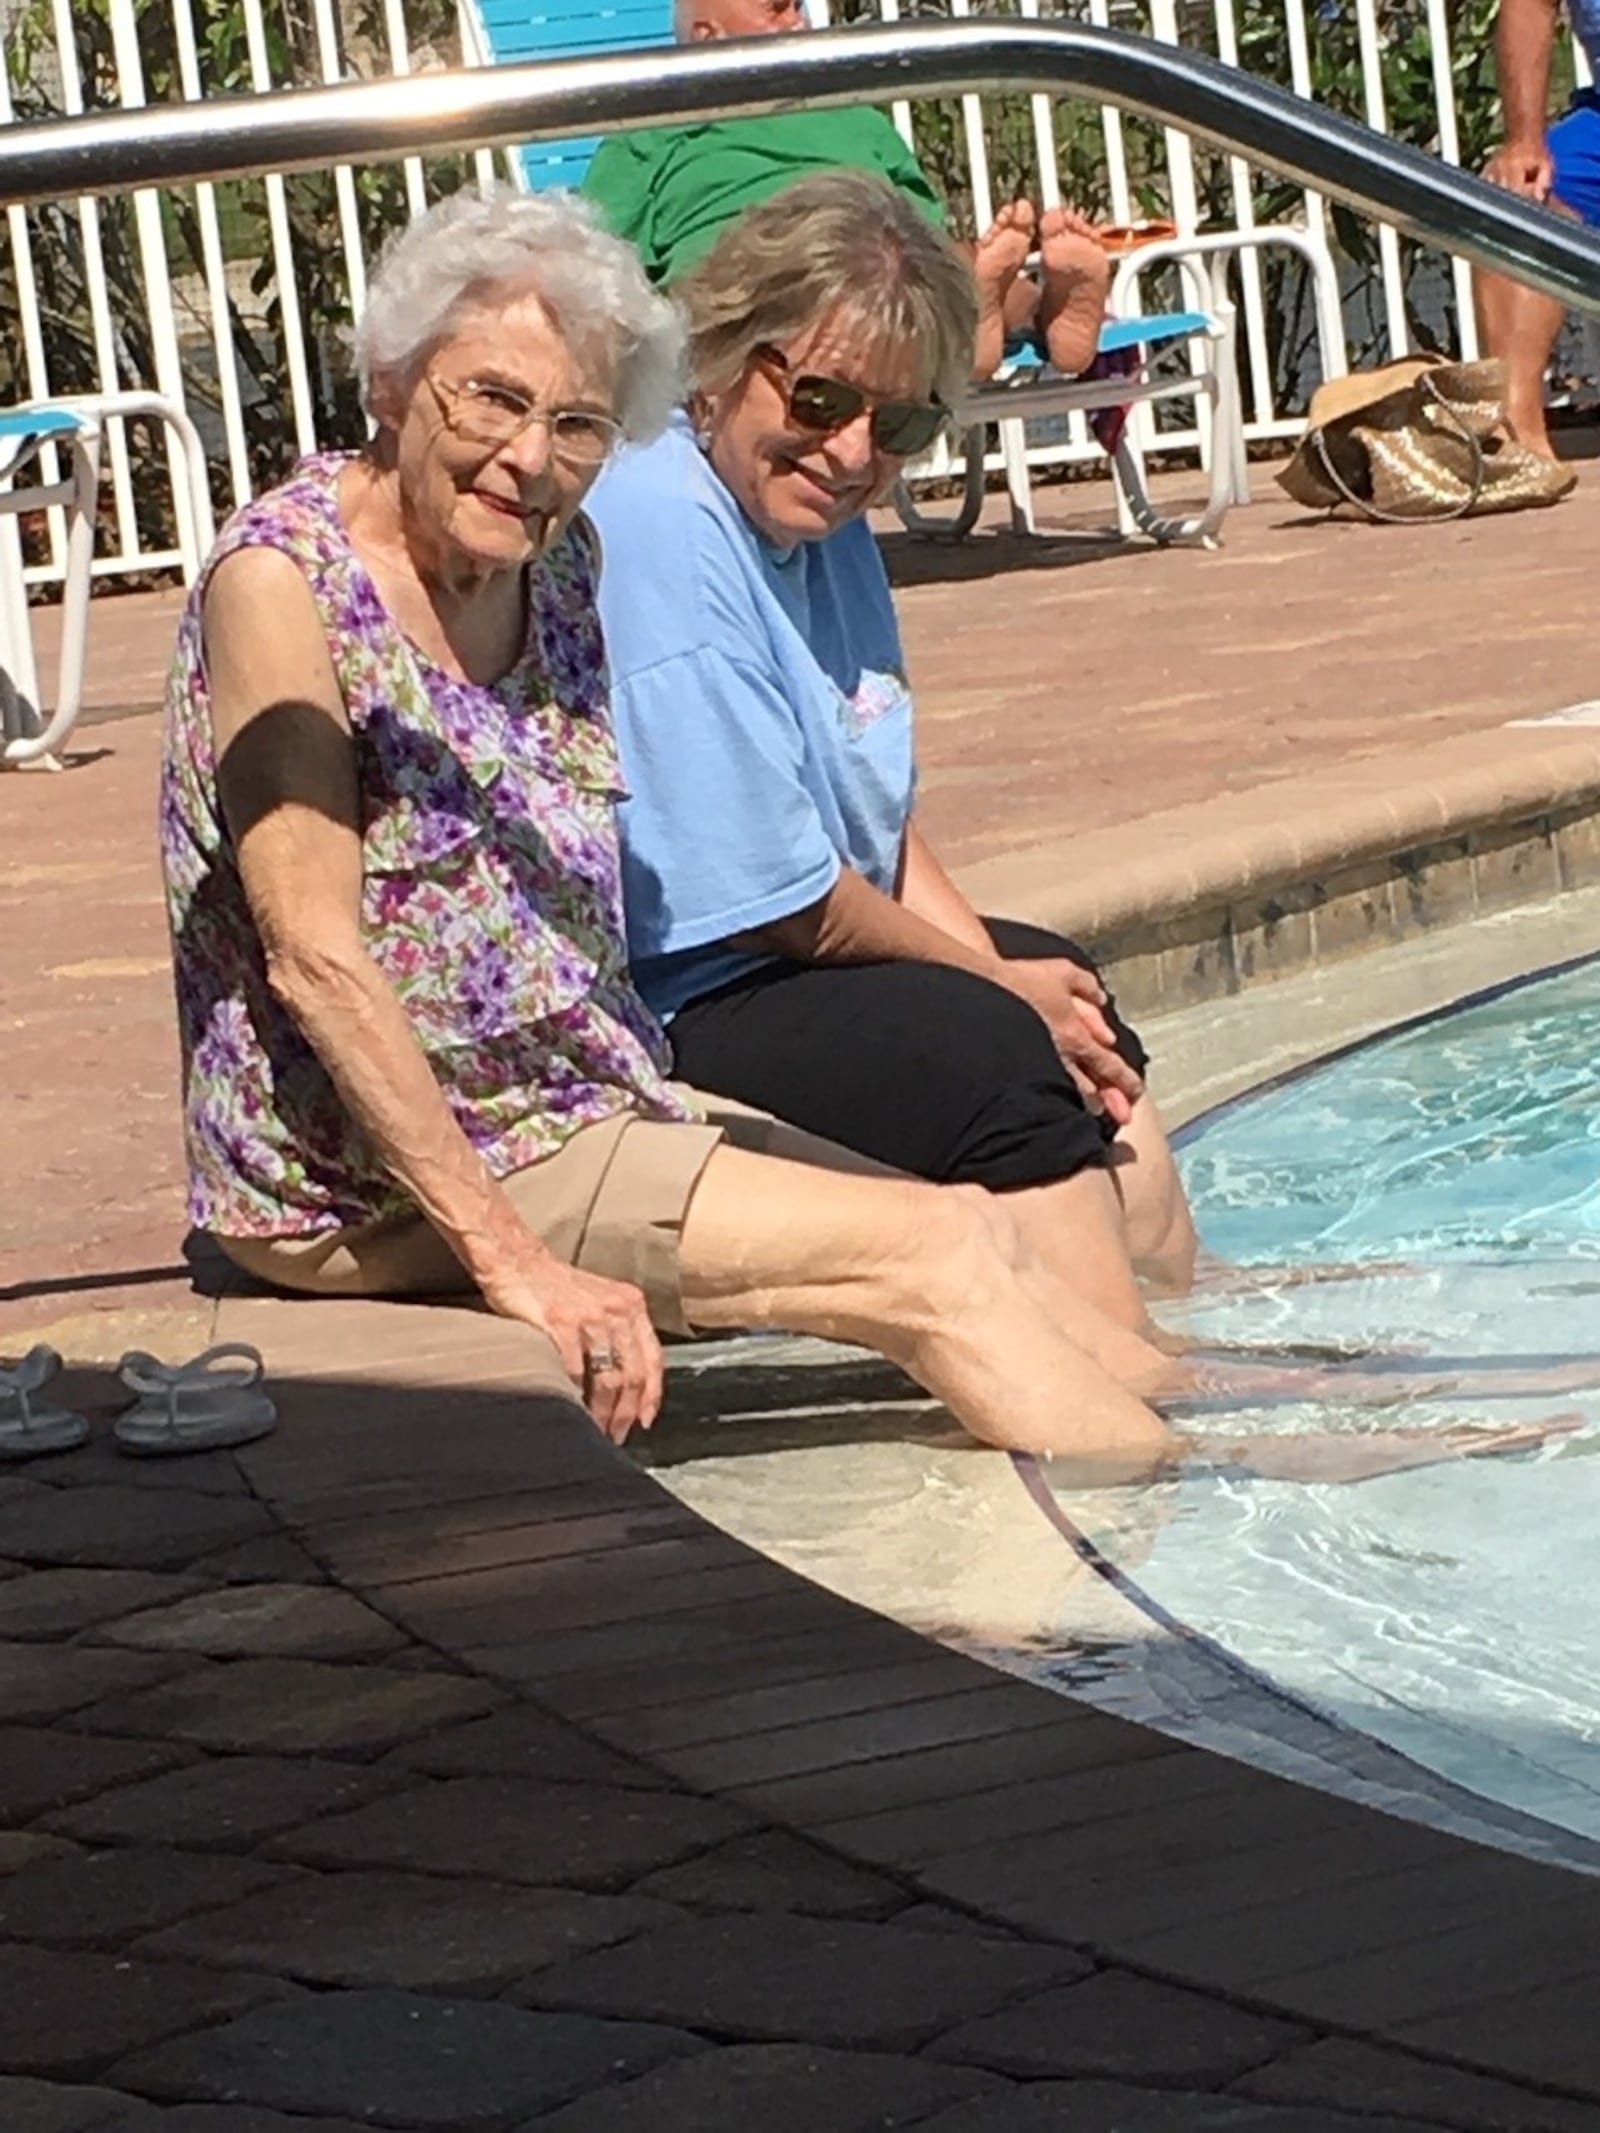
[(997, 259), (917, 1274), (1155, 1208), (1143, 1361), (1522, 326), (1074, 276), (1075, 1225)]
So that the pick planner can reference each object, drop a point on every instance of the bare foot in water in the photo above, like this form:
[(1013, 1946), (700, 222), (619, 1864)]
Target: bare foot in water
[(1074, 276), (997, 260)]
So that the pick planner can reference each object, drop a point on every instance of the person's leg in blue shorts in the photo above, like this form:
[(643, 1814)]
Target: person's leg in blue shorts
[(1521, 324)]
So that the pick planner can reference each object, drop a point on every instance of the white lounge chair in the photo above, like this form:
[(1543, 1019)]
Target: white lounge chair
[(1189, 354), (29, 436)]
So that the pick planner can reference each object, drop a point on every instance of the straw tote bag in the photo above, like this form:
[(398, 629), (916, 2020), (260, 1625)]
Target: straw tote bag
[(1417, 440)]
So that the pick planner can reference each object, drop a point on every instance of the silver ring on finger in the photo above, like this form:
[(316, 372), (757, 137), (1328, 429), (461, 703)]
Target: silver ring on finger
[(602, 1360)]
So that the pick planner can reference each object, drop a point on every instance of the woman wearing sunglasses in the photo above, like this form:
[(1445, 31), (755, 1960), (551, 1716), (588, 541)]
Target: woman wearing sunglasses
[(786, 916)]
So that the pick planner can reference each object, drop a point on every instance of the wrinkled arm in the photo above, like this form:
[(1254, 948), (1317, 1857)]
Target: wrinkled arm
[(286, 778), (287, 781)]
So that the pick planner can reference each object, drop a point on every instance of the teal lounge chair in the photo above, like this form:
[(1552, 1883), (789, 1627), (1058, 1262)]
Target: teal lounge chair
[(568, 29)]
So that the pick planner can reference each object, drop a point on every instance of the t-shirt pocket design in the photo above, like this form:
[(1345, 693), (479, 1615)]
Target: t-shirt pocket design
[(876, 696)]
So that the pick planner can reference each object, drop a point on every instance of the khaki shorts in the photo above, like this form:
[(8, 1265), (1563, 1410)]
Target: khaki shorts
[(611, 1200)]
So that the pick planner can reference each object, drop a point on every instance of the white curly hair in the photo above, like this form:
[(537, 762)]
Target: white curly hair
[(472, 247)]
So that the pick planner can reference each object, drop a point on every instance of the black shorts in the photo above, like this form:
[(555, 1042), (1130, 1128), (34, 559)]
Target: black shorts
[(925, 1067)]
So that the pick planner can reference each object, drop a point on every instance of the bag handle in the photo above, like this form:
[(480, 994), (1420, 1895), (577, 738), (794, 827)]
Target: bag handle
[(1369, 510)]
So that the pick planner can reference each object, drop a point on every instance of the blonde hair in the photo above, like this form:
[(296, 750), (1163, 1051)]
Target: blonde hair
[(472, 247), (840, 246)]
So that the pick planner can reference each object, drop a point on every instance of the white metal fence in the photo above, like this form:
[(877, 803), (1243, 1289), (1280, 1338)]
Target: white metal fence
[(234, 299)]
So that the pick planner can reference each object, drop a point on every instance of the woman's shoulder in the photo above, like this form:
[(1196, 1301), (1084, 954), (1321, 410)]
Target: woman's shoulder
[(299, 516), (678, 562), (663, 490)]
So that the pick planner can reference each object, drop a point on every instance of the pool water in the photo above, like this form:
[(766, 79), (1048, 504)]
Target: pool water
[(1452, 1612)]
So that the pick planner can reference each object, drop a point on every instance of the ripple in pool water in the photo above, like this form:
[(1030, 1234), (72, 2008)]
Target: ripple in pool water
[(1452, 1612)]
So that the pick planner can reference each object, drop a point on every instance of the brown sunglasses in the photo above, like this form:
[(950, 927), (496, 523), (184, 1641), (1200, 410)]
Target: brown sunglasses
[(824, 405)]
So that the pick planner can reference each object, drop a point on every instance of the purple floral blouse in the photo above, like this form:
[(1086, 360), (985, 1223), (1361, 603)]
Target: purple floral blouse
[(491, 899)]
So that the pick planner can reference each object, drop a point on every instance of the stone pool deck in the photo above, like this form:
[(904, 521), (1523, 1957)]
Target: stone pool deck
[(401, 1772)]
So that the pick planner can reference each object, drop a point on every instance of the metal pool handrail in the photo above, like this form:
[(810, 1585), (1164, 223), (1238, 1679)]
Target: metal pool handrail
[(496, 107)]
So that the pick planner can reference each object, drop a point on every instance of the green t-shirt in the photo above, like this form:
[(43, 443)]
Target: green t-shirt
[(673, 189)]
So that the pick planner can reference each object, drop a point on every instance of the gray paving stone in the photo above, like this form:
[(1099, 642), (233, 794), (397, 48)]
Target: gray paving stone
[(737, 1633), (287, 1706), (20, 1848), (40, 1682), (1545, 2034), (414, 1931), (521, 1742), (772, 1655), (397, 2059), (984, 1709), (1116, 2107), (354, 1455), (29, 2106), (770, 1870), (223, 2118), (105, 1899), (518, 1528), (780, 2088), (274, 1621), (59, 1603), (99, 1465), (1091, 1759), (124, 1526), (738, 1712), (71, 2015), (581, 1593), (1508, 1922), (785, 1978), (41, 1769), (275, 1558), (940, 1918), (510, 1829), (1122, 2028), (938, 1830), (225, 1803), (1370, 2078), (1143, 1847)]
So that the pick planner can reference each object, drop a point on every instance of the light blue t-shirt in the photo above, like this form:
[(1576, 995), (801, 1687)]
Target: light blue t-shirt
[(761, 709)]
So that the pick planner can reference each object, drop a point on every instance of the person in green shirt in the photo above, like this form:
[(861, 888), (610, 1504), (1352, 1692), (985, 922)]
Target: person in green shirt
[(671, 190)]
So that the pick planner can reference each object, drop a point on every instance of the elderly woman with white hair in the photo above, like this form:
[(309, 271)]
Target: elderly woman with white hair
[(414, 1061)]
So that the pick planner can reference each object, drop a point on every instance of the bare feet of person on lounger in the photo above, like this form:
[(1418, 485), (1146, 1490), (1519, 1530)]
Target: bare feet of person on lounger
[(997, 259), (1074, 276)]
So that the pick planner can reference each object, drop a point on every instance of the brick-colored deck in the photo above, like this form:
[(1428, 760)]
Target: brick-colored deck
[(427, 1766)]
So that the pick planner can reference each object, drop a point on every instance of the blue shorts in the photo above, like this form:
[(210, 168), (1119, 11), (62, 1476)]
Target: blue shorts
[(1575, 150)]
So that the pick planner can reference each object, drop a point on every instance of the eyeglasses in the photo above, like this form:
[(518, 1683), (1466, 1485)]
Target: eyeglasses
[(480, 411), (825, 405)]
